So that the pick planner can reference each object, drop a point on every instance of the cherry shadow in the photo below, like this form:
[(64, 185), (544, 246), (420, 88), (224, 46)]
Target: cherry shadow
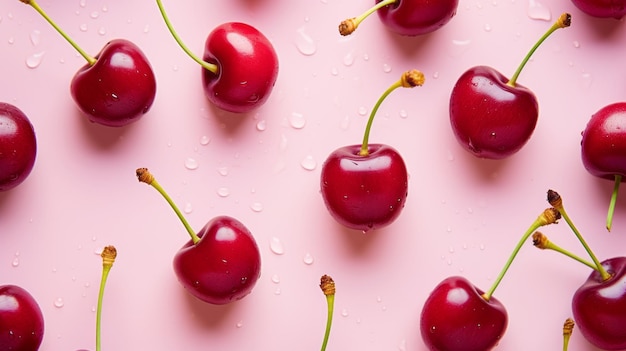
[(104, 137), (602, 29), (358, 243), (232, 122), (411, 47), (207, 315), (486, 170)]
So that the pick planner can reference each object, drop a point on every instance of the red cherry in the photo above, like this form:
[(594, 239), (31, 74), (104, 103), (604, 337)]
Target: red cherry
[(114, 88), (599, 306), (407, 17), (18, 146), (365, 186), (456, 317), (240, 65), (364, 192), (602, 8), (221, 263), (492, 116), (603, 147), (21, 320)]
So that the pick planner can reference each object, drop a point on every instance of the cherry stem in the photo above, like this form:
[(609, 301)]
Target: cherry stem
[(109, 253), (548, 216), (348, 26), (409, 79), (542, 242), (609, 216), (568, 329), (206, 65), (563, 21), (327, 284), (90, 59), (557, 202), (144, 176)]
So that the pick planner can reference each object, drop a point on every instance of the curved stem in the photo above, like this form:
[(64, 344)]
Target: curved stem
[(542, 242), (90, 59), (563, 21), (555, 200), (548, 216), (348, 26), (108, 255), (409, 79), (328, 288), (609, 216), (209, 66), (146, 177)]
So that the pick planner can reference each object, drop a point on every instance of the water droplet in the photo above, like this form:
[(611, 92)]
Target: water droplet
[(538, 11), (487, 27), (35, 37), (102, 31), (587, 79), (386, 68), (362, 111), (403, 114), (348, 59), (304, 43), (188, 208), (58, 303), (334, 71), (576, 44), (239, 324), (204, 140), (11, 40), (146, 28), (308, 163), (191, 164), (436, 75), (223, 171), (451, 249), (481, 247), (83, 27), (344, 313), (275, 279), (366, 57), (34, 60), (82, 3), (277, 291), (94, 14), (16, 261), (345, 123), (261, 125), (223, 192), (256, 207), (276, 246), (402, 345), (297, 120), (308, 259), (459, 47)]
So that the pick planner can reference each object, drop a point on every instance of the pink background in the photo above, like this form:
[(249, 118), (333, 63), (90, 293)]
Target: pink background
[(463, 215)]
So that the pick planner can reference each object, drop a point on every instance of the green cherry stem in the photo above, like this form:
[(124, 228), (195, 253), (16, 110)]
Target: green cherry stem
[(542, 242), (109, 253), (90, 59), (568, 329), (548, 216), (409, 79), (327, 284), (348, 26), (557, 202), (206, 65), (144, 176), (563, 21), (609, 216)]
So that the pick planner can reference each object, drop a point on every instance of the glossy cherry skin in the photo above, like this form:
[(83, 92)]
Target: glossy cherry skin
[(489, 118), (603, 145), (119, 88), (456, 317), (417, 17), (602, 8), (18, 146), (247, 67), (21, 320), (599, 307), (223, 266), (364, 192)]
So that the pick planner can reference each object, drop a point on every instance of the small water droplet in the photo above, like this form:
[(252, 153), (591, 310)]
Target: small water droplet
[(362, 111), (348, 59), (403, 114), (366, 57), (386, 68), (94, 14), (34, 60), (304, 43), (275, 279), (402, 345), (256, 207), (576, 44), (537, 11), (35, 37), (188, 208), (11, 40), (308, 163), (308, 259), (58, 303), (223, 171), (191, 164), (344, 313), (204, 140), (261, 125), (436, 75), (587, 79), (16, 261), (459, 47), (276, 246), (146, 28), (481, 247), (83, 27), (345, 123), (82, 3), (102, 31), (297, 120), (223, 192), (451, 249), (487, 27), (277, 291), (334, 71), (239, 324)]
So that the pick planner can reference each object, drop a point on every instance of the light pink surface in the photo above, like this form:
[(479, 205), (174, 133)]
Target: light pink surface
[(463, 215)]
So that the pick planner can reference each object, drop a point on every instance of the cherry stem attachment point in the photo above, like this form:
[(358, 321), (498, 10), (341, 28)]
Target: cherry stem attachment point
[(206, 65), (144, 176), (409, 79), (327, 284), (349, 25), (568, 329), (109, 253), (563, 21), (548, 216), (90, 59), (609, 216), (557, 202), (542, 242)]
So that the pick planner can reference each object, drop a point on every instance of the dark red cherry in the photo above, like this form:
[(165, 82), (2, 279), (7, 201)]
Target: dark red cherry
[(21, 320), (18, 146), (417, 17), (602, 8)]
